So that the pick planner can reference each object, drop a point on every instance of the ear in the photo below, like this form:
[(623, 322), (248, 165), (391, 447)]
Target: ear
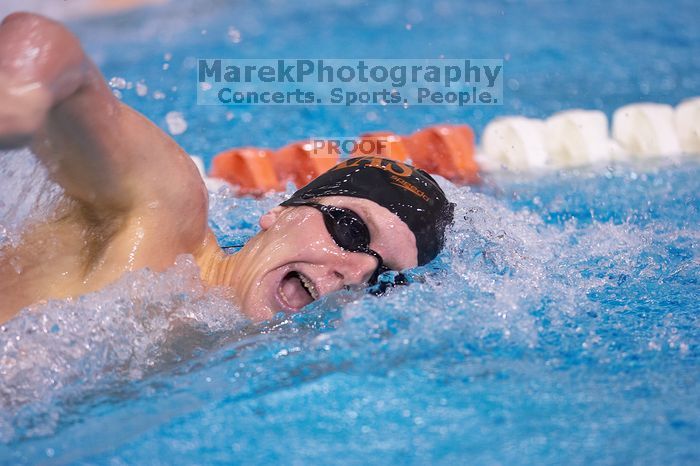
[(268, 219)]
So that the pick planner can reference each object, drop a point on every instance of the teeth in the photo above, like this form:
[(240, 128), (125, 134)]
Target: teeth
[(308, 284), (284, 296)]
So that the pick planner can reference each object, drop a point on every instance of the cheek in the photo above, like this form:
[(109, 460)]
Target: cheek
[(406, 251), (293, 241), (298, 238), (398, 246)]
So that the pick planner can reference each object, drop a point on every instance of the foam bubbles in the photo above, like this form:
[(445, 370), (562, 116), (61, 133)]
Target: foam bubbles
[(23, 202), (570, 273), (65, 350), (62, 351)]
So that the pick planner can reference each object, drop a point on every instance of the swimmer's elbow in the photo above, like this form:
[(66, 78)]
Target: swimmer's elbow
[(23, 18), (49, 42), (25, 22), (29, 28), (37, 50)]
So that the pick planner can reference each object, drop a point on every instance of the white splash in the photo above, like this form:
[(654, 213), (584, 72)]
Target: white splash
[(176, 123)]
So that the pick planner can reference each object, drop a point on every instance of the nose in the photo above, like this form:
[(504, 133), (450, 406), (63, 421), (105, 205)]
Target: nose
[(356, 268)]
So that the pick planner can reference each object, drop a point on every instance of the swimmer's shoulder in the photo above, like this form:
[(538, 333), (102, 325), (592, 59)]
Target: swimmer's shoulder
[(167, 212), (167, 191)]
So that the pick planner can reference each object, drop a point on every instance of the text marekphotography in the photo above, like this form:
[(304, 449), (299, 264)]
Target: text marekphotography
[(399, 82)]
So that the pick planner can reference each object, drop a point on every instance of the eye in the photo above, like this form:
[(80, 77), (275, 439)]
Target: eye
[(351, 233)]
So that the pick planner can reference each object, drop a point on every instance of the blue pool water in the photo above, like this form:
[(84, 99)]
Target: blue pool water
[(559, 326)]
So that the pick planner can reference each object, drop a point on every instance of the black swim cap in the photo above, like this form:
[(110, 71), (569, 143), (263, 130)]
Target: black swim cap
[(409, 192)]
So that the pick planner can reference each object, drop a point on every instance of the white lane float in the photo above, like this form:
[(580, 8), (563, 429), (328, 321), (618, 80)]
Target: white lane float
[(199, 163), (212, 184), (570, 138), (687, 120), (515, 143), (576, 138), (646, 130)]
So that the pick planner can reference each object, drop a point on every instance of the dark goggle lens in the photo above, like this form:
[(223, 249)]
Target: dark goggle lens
[(348, 231)]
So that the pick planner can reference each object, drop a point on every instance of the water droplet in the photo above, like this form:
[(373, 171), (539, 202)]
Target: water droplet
[(234, 35), (176, 123), (117, 83), (141, 89)]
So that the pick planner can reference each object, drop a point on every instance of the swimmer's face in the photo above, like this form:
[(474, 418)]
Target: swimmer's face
[(294, 260)]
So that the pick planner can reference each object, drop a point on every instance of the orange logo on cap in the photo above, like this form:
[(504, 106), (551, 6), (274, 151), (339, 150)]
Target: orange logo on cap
[(392, 166), (409, 187)]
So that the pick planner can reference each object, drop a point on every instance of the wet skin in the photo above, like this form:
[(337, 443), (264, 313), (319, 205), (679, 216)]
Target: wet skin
[(134, 199)]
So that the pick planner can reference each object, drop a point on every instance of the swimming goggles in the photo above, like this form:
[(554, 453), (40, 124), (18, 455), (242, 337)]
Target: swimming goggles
[(349, 232)]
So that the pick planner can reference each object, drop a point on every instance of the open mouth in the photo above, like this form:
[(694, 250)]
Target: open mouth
[(297, 290)]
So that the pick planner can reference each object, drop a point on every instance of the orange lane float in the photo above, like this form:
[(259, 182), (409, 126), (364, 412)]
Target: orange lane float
[(381, 144), (251, 169), (301, 162), (445, 150)]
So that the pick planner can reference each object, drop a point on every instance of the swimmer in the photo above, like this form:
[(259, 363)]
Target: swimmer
[(134, 199)]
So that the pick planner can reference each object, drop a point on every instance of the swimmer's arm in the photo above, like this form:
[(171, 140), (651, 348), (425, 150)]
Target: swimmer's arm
[(99, 150)]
